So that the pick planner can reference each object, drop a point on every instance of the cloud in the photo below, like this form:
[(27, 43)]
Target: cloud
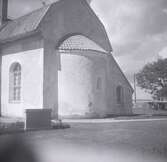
[(19, 8), (137, 30), (163, 52)]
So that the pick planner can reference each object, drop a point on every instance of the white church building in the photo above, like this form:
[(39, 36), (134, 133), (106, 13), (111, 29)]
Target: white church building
[(59, 57)]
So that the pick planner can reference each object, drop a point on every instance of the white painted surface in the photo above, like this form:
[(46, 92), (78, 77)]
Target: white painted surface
[(31, 82), (77, 82)]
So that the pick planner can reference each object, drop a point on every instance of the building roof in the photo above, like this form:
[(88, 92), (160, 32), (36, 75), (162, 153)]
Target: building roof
[(79, 42), (23, 25), (29, 24)]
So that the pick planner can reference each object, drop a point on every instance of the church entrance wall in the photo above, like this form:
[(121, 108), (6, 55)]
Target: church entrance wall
[(31, 83)]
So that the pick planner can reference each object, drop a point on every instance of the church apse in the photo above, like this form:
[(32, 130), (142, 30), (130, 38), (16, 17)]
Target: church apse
[(82, 63)]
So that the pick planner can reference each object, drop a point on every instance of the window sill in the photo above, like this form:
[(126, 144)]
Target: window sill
[(14, 102)]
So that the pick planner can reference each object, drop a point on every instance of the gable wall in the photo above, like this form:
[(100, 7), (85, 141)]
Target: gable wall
[(72, 17), (64, 19)]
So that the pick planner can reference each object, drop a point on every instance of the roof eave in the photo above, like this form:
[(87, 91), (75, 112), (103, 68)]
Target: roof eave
[(21, 36), (123, 74)]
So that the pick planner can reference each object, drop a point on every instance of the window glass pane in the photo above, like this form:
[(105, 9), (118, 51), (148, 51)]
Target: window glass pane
[(15, 82)]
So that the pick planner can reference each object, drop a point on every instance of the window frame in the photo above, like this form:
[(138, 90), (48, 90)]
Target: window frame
[(15, 80), (119, 94), (99, 83)]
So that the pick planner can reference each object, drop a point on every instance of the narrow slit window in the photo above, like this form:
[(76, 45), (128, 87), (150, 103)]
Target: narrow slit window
[(119, 93), (99, 83)]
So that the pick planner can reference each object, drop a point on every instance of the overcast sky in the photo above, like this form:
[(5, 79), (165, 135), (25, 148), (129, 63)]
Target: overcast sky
[(137, 29)]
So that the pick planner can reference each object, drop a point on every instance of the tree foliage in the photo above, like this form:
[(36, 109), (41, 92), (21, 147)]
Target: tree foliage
[(153, 78)]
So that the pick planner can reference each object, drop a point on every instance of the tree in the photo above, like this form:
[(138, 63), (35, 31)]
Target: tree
[(153, 78)]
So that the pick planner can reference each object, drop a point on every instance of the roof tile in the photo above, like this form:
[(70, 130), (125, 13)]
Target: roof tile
[(24, 24), (79, 42)]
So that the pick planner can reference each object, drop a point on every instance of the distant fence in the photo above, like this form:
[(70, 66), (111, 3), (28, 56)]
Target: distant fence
[(150, 107)]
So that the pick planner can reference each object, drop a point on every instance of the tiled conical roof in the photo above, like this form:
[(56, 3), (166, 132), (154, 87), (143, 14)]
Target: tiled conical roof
[(79, 42)]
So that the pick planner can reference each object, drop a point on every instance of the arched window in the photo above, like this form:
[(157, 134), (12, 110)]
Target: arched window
[(15, 82), (119, 93)]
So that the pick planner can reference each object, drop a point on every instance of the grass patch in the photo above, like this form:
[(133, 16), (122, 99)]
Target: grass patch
[(18, 127), (15, 127)]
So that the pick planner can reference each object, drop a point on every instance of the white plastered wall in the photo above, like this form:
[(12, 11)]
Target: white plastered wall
[(31, 82), (77, 84)]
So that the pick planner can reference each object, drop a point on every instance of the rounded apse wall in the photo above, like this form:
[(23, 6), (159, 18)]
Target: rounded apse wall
[(81, 83)]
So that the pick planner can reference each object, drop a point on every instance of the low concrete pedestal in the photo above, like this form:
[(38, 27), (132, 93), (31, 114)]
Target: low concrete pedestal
[(38, 119)]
